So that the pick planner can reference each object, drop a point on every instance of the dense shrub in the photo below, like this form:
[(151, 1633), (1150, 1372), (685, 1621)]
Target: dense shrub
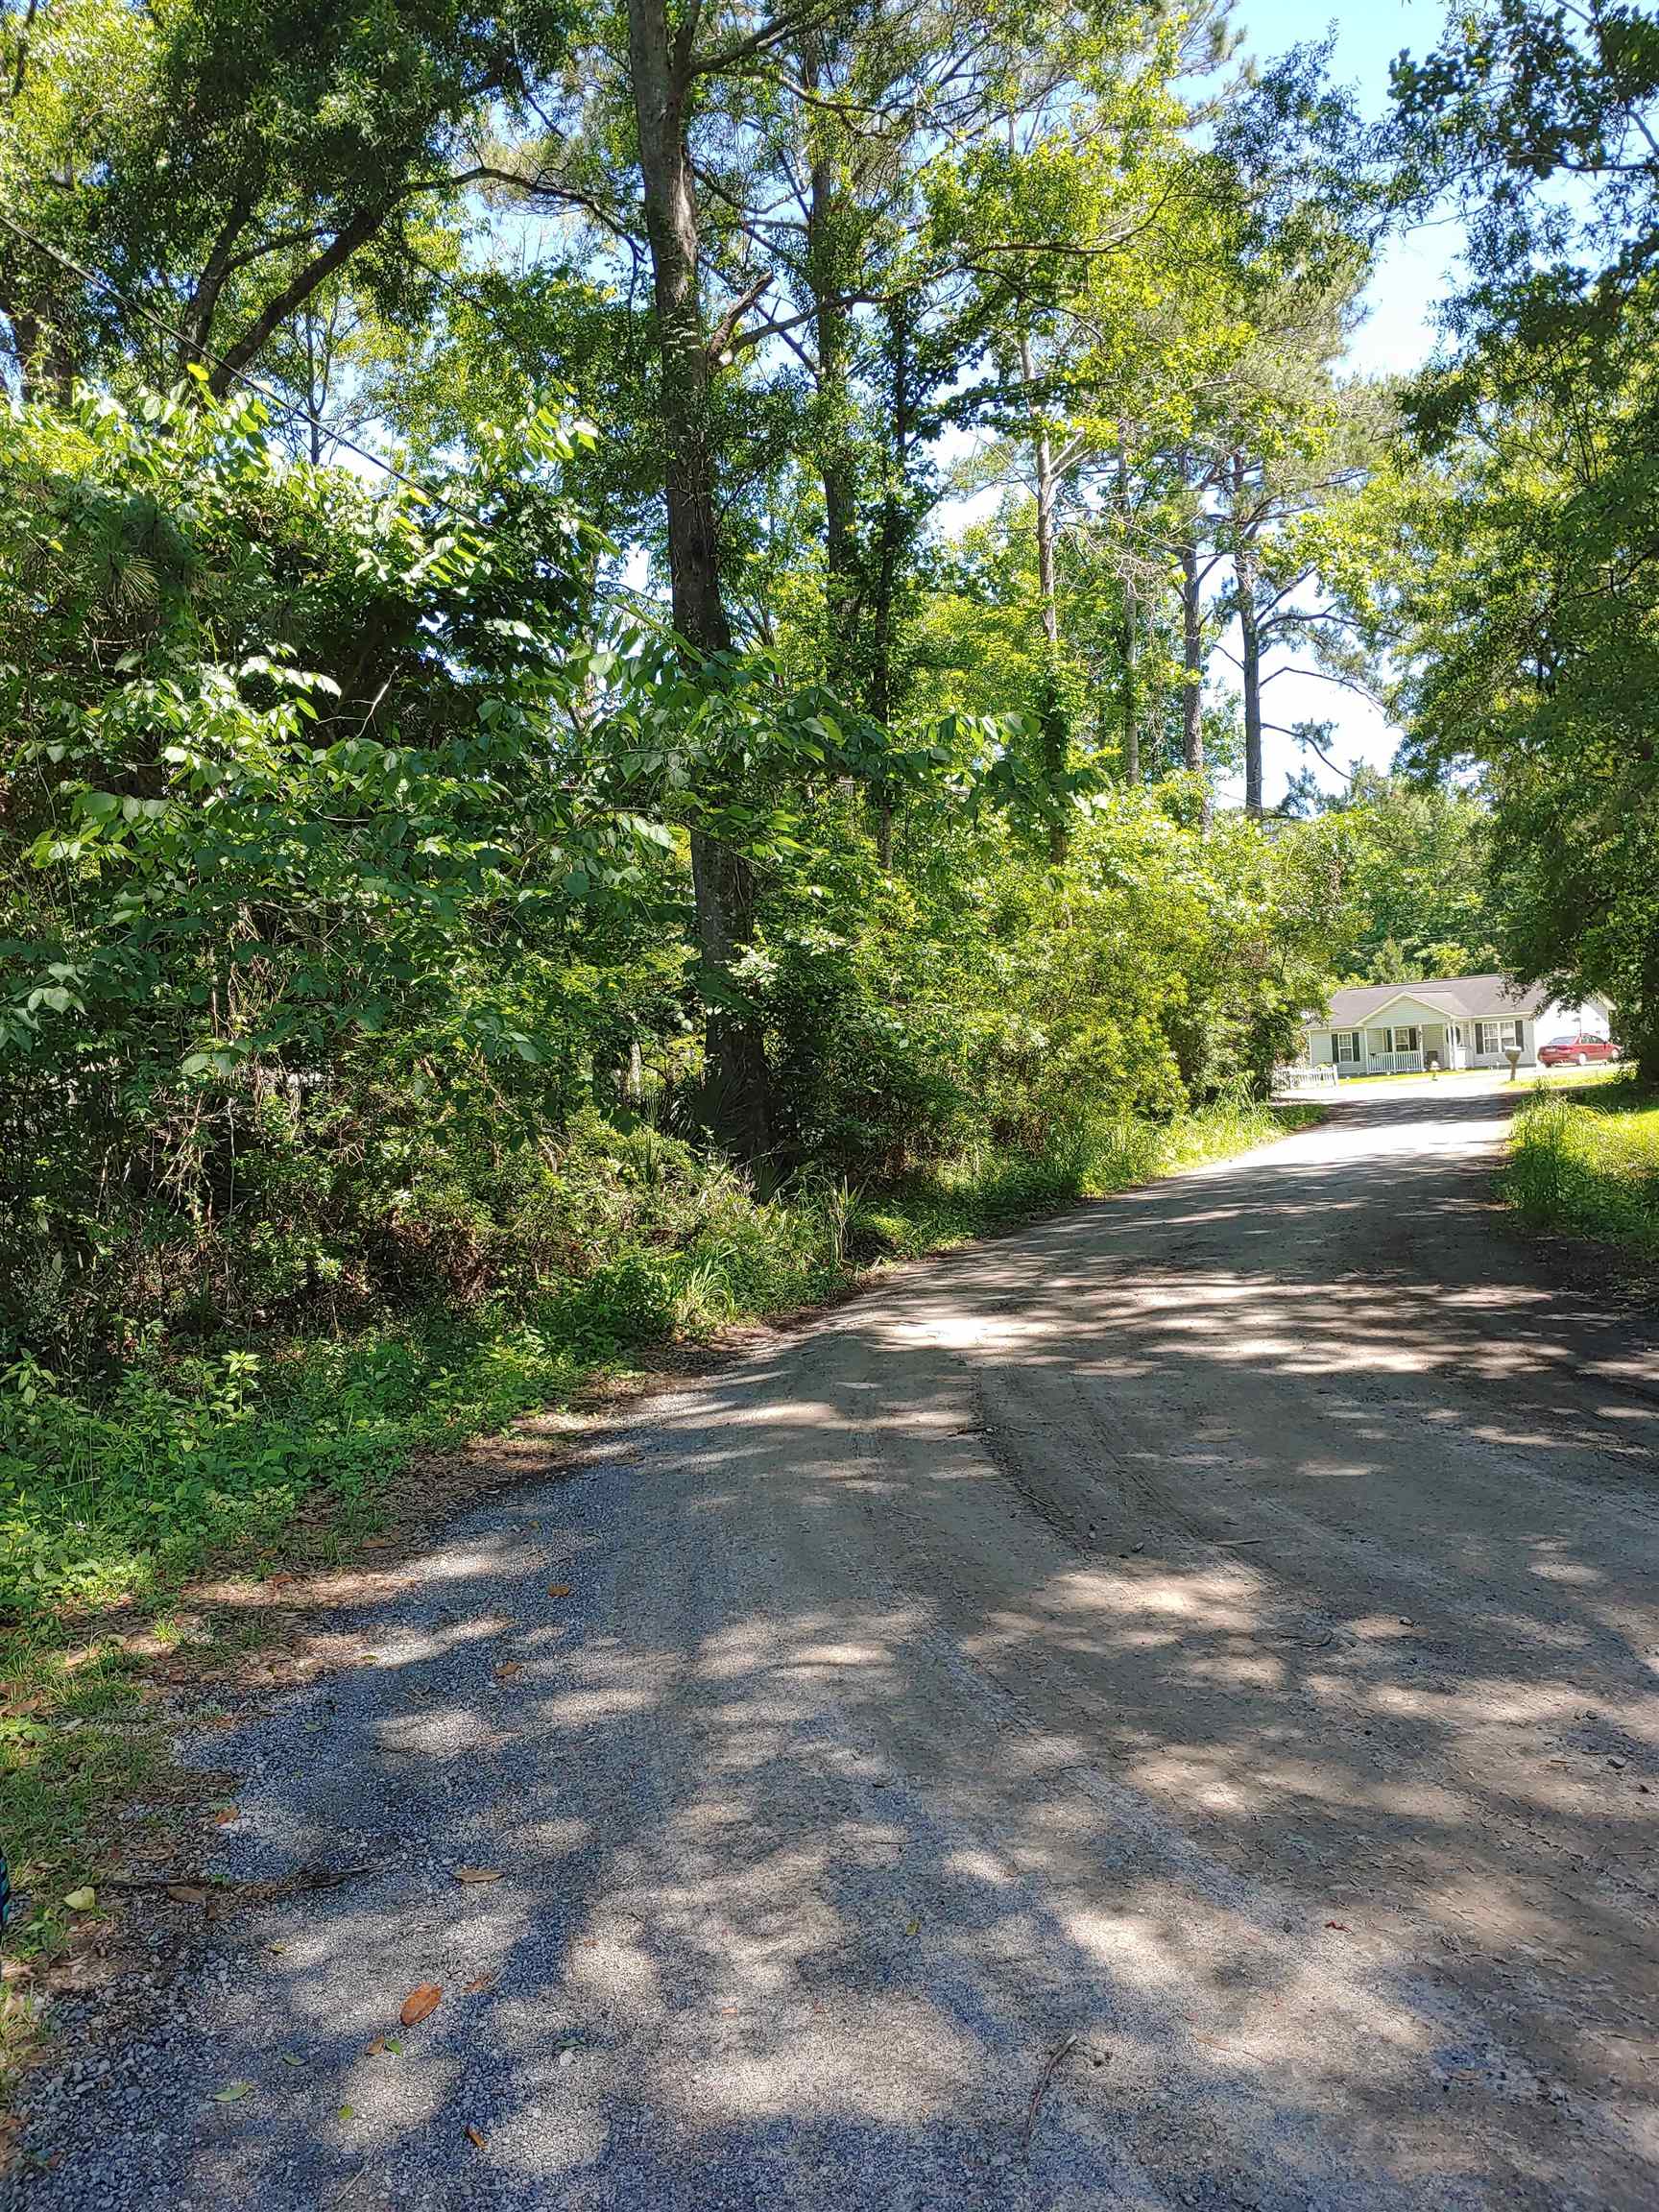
[(349, 978), (121, 1485)]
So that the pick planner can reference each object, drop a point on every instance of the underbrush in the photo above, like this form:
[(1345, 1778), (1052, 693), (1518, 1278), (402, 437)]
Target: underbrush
[(119, 1492), (1589, 1166), (251, 1454)]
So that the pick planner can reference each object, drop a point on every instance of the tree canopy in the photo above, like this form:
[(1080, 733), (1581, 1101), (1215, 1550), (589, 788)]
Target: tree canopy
[(727, 568)]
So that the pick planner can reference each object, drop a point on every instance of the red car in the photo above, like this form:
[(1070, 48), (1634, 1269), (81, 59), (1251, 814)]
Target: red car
[(1576, 1052)]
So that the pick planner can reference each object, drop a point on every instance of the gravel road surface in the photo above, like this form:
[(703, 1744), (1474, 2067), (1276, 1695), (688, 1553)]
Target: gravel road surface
[(1158, 1710)]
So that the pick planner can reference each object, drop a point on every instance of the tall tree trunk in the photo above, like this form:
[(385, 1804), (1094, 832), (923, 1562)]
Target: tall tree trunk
[(1130, 699), (890, 545), (1131, 705), (46, 365), (313, 396), (1250, 658), (1191, 654), (1043, 453), (827, 284), (722, 880), (1054, 747)]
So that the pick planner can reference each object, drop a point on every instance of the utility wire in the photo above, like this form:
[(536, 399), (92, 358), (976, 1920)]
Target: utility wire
[(287, 407), (644, 608)]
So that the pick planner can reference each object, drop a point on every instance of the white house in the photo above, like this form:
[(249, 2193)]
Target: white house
[(1455, 1021)]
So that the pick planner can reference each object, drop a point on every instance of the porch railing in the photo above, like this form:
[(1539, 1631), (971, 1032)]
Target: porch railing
[(1391, 1064)]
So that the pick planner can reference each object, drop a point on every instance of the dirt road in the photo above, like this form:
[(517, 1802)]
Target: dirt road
[(1157, 1711)]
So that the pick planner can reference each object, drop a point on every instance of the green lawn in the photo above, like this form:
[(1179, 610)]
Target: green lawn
[(1525, 1076), (1589, 1166)]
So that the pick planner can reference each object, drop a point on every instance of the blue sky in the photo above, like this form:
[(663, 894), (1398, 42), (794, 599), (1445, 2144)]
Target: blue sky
[(1398, 331)]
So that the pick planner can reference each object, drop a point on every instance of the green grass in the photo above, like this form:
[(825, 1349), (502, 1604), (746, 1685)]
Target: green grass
[(252, 1457), (1589, 1166), (1576, 1078), (1525, 1075)]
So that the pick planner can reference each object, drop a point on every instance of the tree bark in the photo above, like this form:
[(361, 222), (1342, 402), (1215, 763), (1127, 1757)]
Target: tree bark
[(1191, 654), (1244, 578), (196, 324), (890, 543), (1131, 702), (735, 1078), (826, 281), (1250, 658), (1054, 762), (241, 350), (1131, 705), (1042, 452), (46, 365)]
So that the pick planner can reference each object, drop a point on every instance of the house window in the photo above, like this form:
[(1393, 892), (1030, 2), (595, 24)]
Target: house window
[(1345, 1048), (1492, 1037), (1410, 1040)]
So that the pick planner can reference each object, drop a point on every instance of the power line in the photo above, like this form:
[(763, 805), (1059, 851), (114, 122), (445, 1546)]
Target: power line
[(287, 407), (646, 610)]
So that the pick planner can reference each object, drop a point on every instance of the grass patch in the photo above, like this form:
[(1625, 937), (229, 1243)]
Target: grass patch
[(252, 1457), (1589, 1166), (1553, 1076)]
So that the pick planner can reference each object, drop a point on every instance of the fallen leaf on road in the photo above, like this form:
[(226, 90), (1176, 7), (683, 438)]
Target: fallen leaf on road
[(347, 2111), (477, 1873), (1341, 1925), (233, 2092), (559, 1590), (187, 1893), (374, 2049), (223, 1815), (81, 1900), (291, 2058), (509, 1667), (476, 2140), (419, 2003), (914, 1928), (480, 1981)]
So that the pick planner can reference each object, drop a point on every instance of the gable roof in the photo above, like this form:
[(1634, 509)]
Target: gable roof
[(1463, 998)]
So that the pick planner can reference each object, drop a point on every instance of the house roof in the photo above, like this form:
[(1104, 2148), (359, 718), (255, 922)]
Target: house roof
[(1465, 998)]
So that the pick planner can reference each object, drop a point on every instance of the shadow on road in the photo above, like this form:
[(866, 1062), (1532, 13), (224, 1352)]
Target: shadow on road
[(1210, 1638)]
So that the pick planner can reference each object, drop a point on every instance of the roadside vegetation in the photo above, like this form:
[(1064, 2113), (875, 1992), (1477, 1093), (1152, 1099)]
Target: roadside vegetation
[(1587, 1165), (532, 827), (279, 1462)]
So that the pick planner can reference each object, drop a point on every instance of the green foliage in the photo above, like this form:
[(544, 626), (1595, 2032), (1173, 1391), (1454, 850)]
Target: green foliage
[(1588, 1162), (297, 863), (391, 906), (221, 164), (1501, 565), (1409, 869), (624, 1238)]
